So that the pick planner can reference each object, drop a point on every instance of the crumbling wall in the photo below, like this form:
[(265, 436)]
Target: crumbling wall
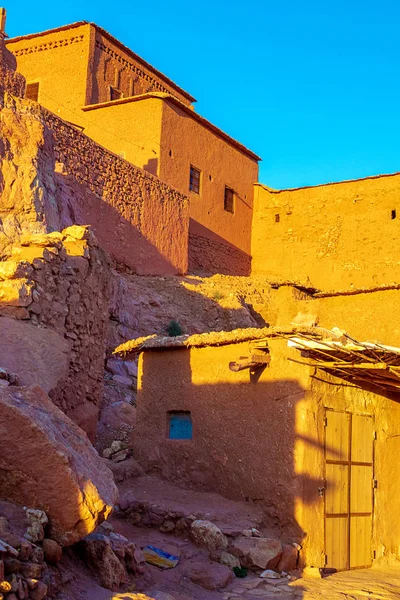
[(61, 281)]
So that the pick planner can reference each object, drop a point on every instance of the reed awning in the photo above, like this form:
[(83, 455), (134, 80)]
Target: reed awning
[(349, 359)]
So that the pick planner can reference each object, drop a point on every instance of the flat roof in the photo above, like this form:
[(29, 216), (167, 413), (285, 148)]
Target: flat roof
[(192, 113), (214, 338), (115, 41)]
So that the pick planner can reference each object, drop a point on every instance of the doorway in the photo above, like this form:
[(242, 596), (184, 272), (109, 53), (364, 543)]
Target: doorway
[(349, 489)]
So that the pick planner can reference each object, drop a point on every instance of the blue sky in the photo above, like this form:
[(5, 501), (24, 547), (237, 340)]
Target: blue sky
[(312, 86)]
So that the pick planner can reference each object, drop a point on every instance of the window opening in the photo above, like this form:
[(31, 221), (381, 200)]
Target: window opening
[(393, 215), (114, 93), (194, 182), (180, 425), (229, 200), (277, 218), (32, 91)]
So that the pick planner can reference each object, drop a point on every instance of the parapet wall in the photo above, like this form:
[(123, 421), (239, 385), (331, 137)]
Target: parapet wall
[(57, 287), (142, 222), (339, 235)]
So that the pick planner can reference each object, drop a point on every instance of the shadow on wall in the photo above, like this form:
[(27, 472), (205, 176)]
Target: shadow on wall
[(116, 231), (210, 254), (152, 166), (247, 439)]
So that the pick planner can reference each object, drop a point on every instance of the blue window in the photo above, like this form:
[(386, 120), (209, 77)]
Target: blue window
[(180, 426)]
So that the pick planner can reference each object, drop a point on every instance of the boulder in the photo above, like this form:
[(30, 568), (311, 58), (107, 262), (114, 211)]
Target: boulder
[(47, 462), (210, 576), (52, 551), (97, 552), (37, 355), (229, 560), (126, 469), (289, 558), (263, 553), (208, 535)]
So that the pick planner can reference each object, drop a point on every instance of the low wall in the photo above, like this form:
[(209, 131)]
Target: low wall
[(57, 288), (210, 254), (142, 222), (338, 235)]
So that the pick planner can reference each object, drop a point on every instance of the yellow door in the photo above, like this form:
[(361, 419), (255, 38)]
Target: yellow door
[(348, 490)]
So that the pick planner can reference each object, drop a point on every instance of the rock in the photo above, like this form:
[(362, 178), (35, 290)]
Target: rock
[(25, 551), (52, 551), (11, 565), (116, 367), (229, 560), (56, 468), (30, 570), (264, 553), (210, 576), (37, 521), (39, 592), (122, 380), (97, 552), (132, 369), (127, 469), (37, 355), (117, 446), (117, 414), (289, 558), (167, 526), (269, 574), (208, 535), (37, 555), (120, 456)]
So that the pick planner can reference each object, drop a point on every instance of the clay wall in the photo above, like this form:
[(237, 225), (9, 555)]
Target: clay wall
[(59, 282), (186, 141), (117, 67), (139, 220), (261, 438), (338, 235), (58, 61), (131, 130)]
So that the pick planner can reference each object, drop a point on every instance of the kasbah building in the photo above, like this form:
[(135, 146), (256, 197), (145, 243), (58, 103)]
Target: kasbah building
[(298, 416)]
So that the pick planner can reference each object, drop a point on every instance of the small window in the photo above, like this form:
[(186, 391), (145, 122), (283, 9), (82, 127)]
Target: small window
[(32, 91), (194, 183), (114, 93), (393, 214), (229, 200), (180, 425)]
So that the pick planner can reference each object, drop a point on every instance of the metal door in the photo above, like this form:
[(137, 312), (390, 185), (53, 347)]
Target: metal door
[(349, 487)]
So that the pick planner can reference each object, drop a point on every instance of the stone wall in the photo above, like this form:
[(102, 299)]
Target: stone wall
[(60, 282), (142, 222), (208, 256), (339, 235)]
